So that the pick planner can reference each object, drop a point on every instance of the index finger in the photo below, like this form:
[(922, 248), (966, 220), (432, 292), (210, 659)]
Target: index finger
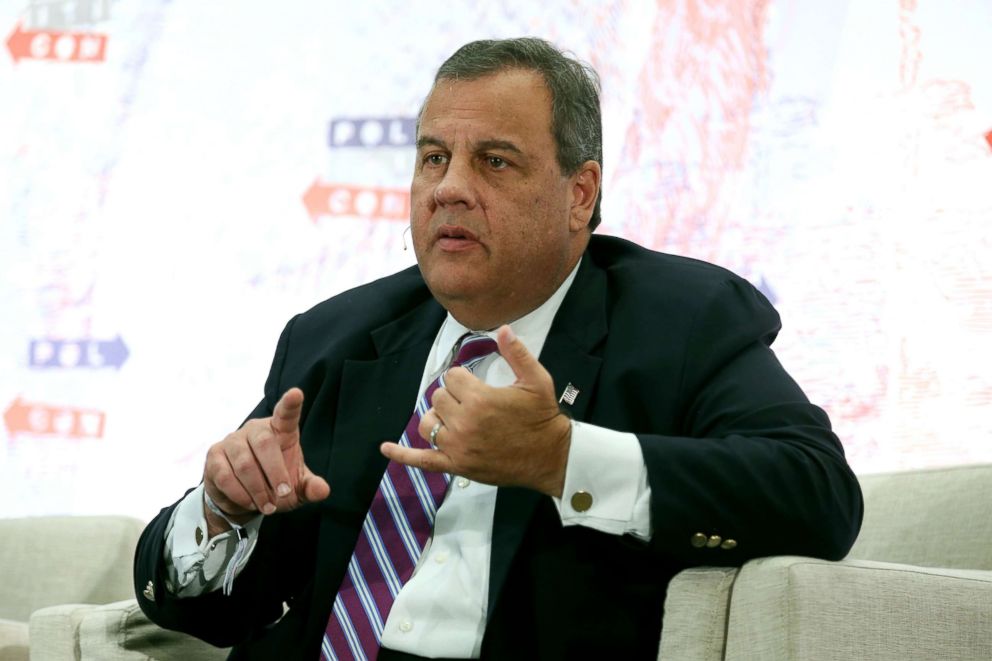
[(459, 381), (285, 420)]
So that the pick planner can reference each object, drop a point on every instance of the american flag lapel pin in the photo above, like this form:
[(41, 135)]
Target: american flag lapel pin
[(571, 392)]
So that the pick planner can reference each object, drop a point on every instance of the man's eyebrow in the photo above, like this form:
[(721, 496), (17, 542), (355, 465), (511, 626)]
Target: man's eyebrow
[(505, 145), (425, 140), (484, 145)]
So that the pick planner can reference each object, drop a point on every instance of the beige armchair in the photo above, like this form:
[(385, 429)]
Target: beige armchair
[(66, 592), (916, 586), (56, 560)]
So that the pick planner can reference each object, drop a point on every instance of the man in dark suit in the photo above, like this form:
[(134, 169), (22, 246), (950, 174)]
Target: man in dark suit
[(654, 431)]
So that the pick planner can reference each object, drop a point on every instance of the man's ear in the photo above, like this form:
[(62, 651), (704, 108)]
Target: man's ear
[(585, 191)]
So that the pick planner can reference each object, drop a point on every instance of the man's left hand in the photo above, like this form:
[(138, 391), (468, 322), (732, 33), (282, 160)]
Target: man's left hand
[(512, 436)]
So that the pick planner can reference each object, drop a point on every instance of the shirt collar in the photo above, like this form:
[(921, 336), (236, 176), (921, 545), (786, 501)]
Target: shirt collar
[(532, 328)]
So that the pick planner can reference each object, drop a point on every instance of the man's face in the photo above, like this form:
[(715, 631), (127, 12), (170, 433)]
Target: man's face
[(495, 224)]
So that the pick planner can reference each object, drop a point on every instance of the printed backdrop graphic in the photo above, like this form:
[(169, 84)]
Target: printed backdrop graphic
[(181, 177)]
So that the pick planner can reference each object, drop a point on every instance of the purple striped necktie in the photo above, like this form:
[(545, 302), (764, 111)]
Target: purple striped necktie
[(394, 533)]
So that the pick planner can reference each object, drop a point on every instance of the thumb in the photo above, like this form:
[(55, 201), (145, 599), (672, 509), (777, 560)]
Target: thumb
[(523, 363), (312, 488)]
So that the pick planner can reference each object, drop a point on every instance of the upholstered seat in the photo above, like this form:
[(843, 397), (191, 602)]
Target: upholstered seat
[(917, 585)]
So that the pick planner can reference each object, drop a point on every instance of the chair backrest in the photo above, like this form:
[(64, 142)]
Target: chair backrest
[(50, 560), (938, 517)]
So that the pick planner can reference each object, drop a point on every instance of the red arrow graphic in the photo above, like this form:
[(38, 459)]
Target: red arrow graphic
[(19, 43), (315, 199), (323, 199), (34, 418), (56, 45)]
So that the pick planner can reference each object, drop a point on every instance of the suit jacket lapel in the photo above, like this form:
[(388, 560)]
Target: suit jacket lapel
[(375, 402), (568, 354)]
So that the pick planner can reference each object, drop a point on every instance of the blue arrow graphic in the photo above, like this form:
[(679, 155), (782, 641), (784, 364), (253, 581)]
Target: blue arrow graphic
[(47, 353), (114, 351)]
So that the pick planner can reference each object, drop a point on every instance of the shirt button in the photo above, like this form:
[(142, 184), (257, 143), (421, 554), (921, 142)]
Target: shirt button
[(441, 557), (406, 626), (462, 482)]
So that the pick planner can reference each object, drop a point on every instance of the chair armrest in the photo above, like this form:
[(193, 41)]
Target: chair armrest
[(110, 632), (802, 608), (54, 631), (13, 640), (695, 622)]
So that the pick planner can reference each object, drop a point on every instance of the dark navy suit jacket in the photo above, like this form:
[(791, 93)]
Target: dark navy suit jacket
[(671, 349)]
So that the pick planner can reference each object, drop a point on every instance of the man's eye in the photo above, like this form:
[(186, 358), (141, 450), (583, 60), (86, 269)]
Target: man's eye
[(496, 163), (436, 159)]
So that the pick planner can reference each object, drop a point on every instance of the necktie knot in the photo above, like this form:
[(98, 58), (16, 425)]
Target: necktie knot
[(474, 347)]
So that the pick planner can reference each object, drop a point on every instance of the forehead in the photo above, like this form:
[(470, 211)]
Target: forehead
[(513, 103)]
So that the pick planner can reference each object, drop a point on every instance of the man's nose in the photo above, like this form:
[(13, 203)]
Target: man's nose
[(456, 186)]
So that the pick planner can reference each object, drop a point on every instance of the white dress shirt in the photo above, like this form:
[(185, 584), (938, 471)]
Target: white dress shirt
[(441, 610)]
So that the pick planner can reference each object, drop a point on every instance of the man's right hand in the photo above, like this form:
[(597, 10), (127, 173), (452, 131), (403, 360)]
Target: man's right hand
[(260, 468)]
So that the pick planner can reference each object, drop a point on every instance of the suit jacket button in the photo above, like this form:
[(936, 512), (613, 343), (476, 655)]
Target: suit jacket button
[(581, 501), (713, 541), (698, 540), (729, 544)]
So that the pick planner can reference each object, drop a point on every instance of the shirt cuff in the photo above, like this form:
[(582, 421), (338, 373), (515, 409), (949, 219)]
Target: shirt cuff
[(606, 483), (195, 564)]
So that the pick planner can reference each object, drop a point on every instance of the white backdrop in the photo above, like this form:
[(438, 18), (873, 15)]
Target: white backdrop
[(179, 178)]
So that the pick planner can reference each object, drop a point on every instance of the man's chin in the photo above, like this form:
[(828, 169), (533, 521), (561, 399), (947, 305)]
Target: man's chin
[(457, 292), (459, 288)]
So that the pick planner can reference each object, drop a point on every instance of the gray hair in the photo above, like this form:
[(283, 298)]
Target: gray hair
[(576, 121)]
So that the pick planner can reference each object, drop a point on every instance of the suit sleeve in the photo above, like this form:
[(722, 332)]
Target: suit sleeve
[(757, 470), (272, 576)]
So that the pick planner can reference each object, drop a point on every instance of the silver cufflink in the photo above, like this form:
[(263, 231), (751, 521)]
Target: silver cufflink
[(149, 591)]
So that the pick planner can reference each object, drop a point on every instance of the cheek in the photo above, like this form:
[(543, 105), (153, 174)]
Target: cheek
[(419, 227), (421, 208), (422, 189), (419, 195)]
